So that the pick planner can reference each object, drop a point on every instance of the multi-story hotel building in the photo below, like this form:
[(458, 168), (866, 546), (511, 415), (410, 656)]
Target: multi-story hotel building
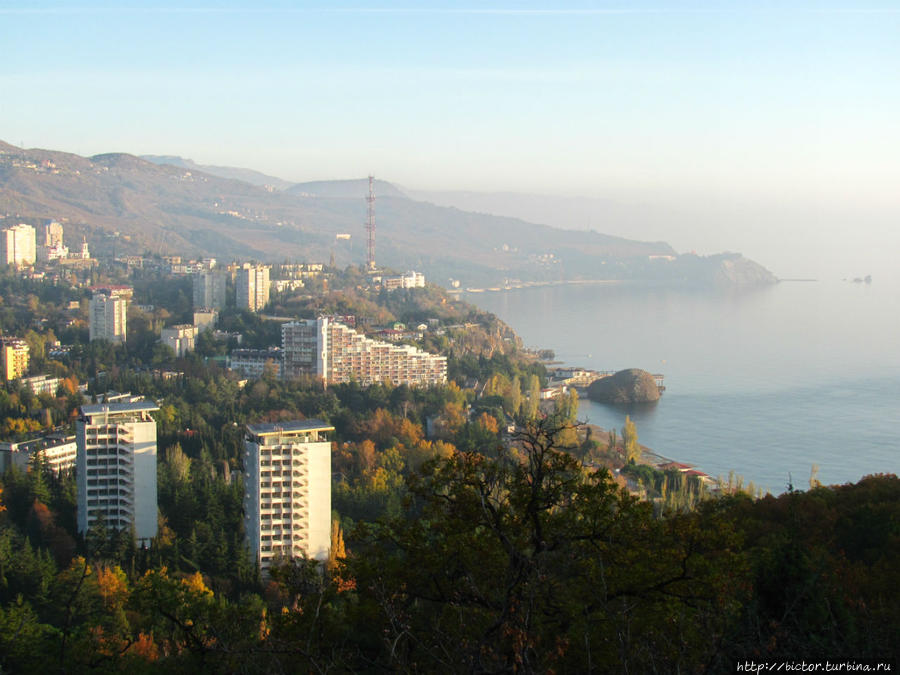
[(251, 287), (17, 245), (209, 289), (57, 451), (116, 467), (14, 353), (108, 314), (287, 490), (336, 353)]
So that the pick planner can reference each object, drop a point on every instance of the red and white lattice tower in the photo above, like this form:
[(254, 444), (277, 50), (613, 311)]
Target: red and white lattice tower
[(370, 226)]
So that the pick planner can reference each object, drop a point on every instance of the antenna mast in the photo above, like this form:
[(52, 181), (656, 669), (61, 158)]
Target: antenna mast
[(370, 225)]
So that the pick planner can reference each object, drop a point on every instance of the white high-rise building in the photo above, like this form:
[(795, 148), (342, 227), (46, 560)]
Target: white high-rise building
[(53, 234), (287, 490), (108, 314), (209, 289), (251, 287), (116, 467), (17, 245), (50, 242)]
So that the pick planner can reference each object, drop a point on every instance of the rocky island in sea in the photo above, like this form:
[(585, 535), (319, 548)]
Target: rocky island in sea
[(632, 385)]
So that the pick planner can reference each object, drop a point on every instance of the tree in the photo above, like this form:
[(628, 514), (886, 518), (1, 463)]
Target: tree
[(630, 439), (612, 442), (526, 562), (533, 400)]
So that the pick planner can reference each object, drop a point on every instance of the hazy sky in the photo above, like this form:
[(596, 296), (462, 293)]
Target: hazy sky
[(752, 102)]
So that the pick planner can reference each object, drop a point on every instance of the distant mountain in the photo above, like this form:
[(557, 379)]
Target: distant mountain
[(125, 203), (235, 173), (345, 189)]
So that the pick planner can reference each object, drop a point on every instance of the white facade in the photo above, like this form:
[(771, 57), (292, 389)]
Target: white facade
[(116, 467), (180, 338), (287, 490), (17, 245), (50, 243), (411, 279), (209, 289), (108, 317), (254, 362), (42, 384), (336, 353), (58, 452), (251, 287), (53, 234)]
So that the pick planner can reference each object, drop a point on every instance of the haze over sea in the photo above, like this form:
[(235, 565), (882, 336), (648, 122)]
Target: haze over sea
[(765, 382)]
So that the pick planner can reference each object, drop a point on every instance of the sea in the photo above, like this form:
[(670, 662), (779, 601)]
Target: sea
[(766, 383)]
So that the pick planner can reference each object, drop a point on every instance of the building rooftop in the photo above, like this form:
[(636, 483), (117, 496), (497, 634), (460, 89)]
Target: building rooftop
[(119, 407), (269, 428)]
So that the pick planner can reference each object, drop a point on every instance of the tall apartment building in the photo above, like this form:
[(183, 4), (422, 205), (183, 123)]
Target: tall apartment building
[(108, 315), (251, 287), (209, 289), (116, 467), (50, 242), (14, 357), (336, 353), (17, 245), (52, 234), (180, 338), (287, 490)]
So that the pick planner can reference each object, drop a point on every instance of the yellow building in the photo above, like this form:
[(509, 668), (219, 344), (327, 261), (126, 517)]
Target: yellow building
[(15, 358)]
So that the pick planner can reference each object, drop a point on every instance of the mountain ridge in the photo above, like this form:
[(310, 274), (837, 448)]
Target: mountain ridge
[(125, 202)]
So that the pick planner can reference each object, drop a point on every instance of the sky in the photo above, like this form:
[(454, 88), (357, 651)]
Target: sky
[(782, 116)]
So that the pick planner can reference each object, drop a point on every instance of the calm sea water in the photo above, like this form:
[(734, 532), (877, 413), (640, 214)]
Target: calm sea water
[(764, 382)]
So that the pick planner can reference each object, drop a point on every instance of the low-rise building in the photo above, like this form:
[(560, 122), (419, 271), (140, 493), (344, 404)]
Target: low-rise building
[(42, 384), (180, 338), (57, 451), (411, 279), (254, 362)]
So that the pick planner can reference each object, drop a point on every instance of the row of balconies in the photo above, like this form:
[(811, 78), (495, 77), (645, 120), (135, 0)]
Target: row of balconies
[(115, 491), (277, 511), (109, 498)]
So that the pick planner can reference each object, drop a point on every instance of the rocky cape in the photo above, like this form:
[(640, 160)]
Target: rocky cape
[(626, 386)]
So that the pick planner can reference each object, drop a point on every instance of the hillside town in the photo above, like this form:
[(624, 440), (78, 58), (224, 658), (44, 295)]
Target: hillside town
[(198, 457)]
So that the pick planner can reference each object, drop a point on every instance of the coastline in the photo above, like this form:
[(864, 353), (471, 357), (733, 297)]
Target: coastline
[(522, 285)]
